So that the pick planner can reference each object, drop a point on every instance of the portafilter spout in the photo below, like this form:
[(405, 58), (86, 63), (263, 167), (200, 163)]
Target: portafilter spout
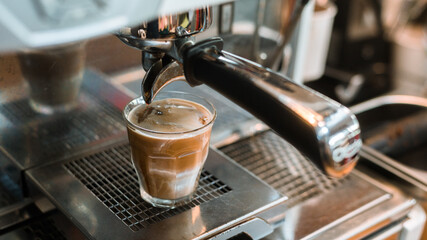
[(322, 129), (162, 42)]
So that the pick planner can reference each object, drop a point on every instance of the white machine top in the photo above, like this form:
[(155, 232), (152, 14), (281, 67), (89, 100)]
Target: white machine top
[(40, 23)]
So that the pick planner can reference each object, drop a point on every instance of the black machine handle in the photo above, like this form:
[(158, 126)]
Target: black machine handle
[(322, 129)]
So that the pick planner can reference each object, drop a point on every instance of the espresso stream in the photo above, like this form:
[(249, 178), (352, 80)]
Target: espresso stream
[(170, 155)]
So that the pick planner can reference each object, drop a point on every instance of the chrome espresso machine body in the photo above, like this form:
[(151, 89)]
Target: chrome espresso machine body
[(67, 174)]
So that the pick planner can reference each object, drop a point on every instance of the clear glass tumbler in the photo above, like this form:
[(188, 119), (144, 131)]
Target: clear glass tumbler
[(169, 162)]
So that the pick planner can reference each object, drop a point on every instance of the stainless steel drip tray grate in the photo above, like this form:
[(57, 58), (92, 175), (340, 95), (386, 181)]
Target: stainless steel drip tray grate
[(317, 203), (100, 189), (17, 112), (110, 177), (31, 139), (282, 166)]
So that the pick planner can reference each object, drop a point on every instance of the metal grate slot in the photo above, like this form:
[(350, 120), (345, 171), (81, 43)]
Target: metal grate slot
[(281, 166), (109, 175), (17, 111)]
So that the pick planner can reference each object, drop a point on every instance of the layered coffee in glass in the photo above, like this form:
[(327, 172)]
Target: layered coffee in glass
[(169, 141)]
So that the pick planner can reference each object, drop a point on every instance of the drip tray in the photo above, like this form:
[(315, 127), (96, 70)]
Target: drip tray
[(282, 166), (31, 139), (318, 206), (99, 192)]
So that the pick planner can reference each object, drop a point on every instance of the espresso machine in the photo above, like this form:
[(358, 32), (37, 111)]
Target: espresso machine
[(282, 155)]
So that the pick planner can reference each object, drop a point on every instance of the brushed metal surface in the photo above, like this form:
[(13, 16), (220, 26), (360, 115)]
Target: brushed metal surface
[(115, 184), (248, 197), (321, 214)]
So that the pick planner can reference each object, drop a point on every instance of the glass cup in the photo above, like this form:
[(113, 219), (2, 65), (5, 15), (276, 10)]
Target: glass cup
[(54, 76), (169, 163)]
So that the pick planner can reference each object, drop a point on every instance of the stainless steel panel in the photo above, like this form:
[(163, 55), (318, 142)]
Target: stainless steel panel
[(224, 207), (352, 210)]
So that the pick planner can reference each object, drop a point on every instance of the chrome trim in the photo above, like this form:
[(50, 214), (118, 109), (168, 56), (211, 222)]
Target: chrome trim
[(168, 27), (414, 180), (387, 100)]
